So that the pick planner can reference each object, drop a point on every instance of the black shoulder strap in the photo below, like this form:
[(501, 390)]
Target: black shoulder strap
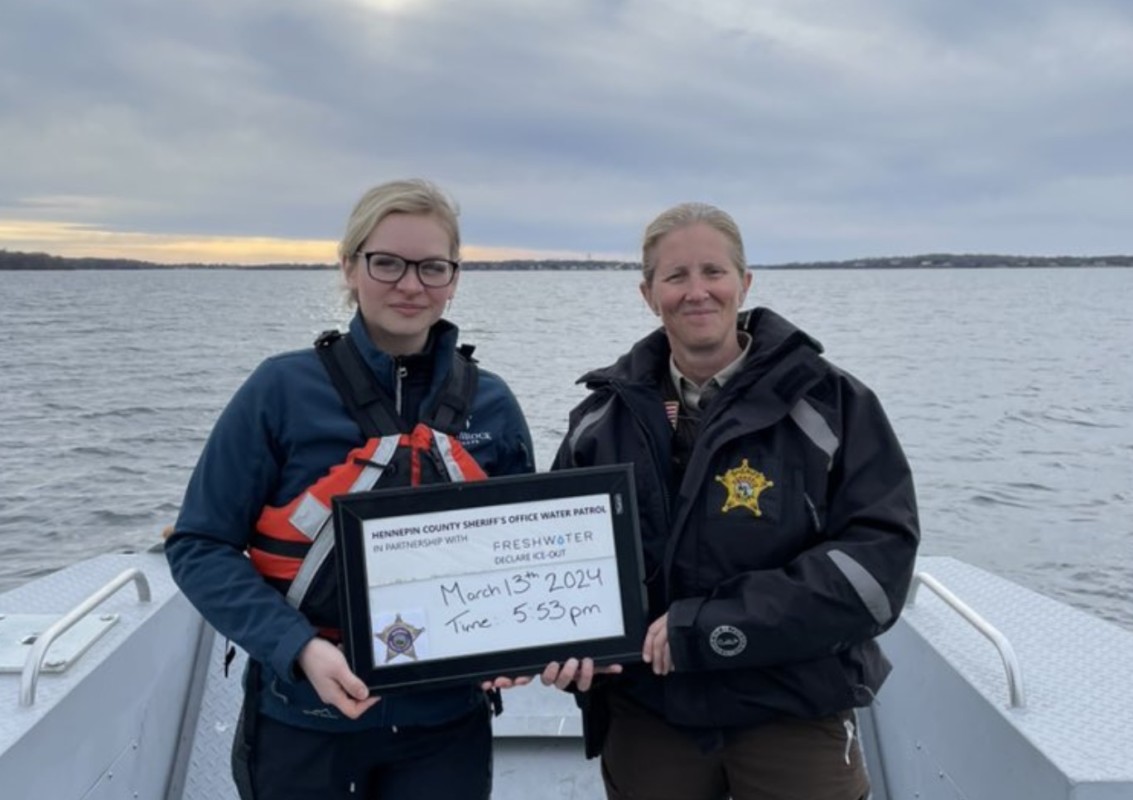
[(370, 406), (454, 403)]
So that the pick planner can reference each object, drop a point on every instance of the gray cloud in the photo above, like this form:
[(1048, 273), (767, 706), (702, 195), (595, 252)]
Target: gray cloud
[(829, 129)]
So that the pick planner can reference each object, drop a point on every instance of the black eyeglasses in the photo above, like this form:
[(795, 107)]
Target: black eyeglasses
[(390, 268)]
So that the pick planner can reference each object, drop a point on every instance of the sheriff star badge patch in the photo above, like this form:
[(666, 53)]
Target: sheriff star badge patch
[(744, 486), (399, 637)]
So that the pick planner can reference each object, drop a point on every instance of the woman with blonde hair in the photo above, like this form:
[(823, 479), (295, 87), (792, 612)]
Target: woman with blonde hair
[(250, 546), (779, 528)]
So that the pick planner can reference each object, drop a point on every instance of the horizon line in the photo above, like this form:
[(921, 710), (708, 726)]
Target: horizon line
[(83, 240), (923, 260)]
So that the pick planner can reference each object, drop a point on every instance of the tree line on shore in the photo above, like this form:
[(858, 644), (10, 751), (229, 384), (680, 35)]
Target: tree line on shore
[(14, 260)]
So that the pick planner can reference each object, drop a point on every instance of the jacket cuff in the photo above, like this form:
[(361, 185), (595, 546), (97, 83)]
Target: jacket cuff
[(283, 658), (683, 644)]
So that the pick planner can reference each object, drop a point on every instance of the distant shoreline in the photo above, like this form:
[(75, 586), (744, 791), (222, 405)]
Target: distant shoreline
[(17, 261)]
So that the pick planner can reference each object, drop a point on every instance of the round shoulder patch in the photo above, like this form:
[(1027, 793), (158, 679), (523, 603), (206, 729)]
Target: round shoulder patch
[(727, 641)]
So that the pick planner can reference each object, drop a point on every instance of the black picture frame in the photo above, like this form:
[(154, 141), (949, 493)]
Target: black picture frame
[(408, 671)]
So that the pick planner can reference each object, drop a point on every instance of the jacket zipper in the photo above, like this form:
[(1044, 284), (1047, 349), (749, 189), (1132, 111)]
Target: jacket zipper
[(399, 374), (659, 475), (655, 458)]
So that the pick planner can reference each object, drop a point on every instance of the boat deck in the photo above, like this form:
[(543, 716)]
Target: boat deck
[(147, 712), (946, 715)]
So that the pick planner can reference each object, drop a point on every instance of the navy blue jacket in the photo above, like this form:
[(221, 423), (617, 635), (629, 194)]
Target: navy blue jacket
[(787, 546), (282, 431)]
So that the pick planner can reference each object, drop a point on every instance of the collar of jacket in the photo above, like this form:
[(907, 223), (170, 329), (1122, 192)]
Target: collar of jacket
[(441, 346), (772, 338)]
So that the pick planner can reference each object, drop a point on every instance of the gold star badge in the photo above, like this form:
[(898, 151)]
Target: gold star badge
[(744, 486), (399, 637)]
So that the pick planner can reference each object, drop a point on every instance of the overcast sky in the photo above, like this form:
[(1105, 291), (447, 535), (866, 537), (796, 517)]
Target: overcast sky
[(244, 130)]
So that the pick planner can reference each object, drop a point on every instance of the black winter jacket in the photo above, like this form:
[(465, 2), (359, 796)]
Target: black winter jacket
[(788, 545)]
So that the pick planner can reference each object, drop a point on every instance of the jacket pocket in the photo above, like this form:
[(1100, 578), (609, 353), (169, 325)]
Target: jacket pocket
[(752, 522)]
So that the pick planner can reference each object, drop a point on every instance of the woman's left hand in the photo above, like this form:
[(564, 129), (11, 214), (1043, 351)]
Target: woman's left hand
[(655, 651)]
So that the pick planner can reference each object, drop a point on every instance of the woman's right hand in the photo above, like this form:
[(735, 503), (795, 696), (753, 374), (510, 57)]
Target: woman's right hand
[(579, 672), (326, 668)]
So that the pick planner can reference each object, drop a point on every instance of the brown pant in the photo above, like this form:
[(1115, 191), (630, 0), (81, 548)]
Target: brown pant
[(645, 758)]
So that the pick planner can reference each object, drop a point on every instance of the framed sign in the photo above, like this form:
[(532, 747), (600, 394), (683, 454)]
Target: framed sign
[(450, 583)]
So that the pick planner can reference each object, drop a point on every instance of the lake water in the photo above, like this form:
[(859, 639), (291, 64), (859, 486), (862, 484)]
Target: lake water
[(1011, 390)]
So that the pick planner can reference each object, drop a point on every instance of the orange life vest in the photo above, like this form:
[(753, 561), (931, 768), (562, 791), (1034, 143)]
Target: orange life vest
[(292, 545)]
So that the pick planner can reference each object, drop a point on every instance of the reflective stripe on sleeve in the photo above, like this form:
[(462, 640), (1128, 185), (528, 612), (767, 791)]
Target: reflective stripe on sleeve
[(814, 426), (589, 420), (869, 591)]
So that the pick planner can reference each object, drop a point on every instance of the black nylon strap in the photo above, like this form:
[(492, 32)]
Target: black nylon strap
[(372, 408), (455, 401), (364, 399), (278, 547)]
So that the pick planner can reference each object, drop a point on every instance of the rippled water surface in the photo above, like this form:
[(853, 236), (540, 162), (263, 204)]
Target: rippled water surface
[(1012, 391)]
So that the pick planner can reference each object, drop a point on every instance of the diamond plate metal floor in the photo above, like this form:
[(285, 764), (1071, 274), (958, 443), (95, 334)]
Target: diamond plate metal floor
[(208, 773)]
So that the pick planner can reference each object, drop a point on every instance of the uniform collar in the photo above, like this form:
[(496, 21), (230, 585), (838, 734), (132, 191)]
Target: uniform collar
[(439, 350), (691, 393)]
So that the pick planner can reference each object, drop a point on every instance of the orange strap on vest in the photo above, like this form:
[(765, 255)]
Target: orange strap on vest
[(293, 541)]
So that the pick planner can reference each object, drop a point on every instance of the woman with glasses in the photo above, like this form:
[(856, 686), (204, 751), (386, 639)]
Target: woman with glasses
[(779, 528), (243, 545)]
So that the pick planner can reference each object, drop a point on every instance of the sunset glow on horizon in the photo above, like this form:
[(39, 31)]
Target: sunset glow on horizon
[(80, 240)]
